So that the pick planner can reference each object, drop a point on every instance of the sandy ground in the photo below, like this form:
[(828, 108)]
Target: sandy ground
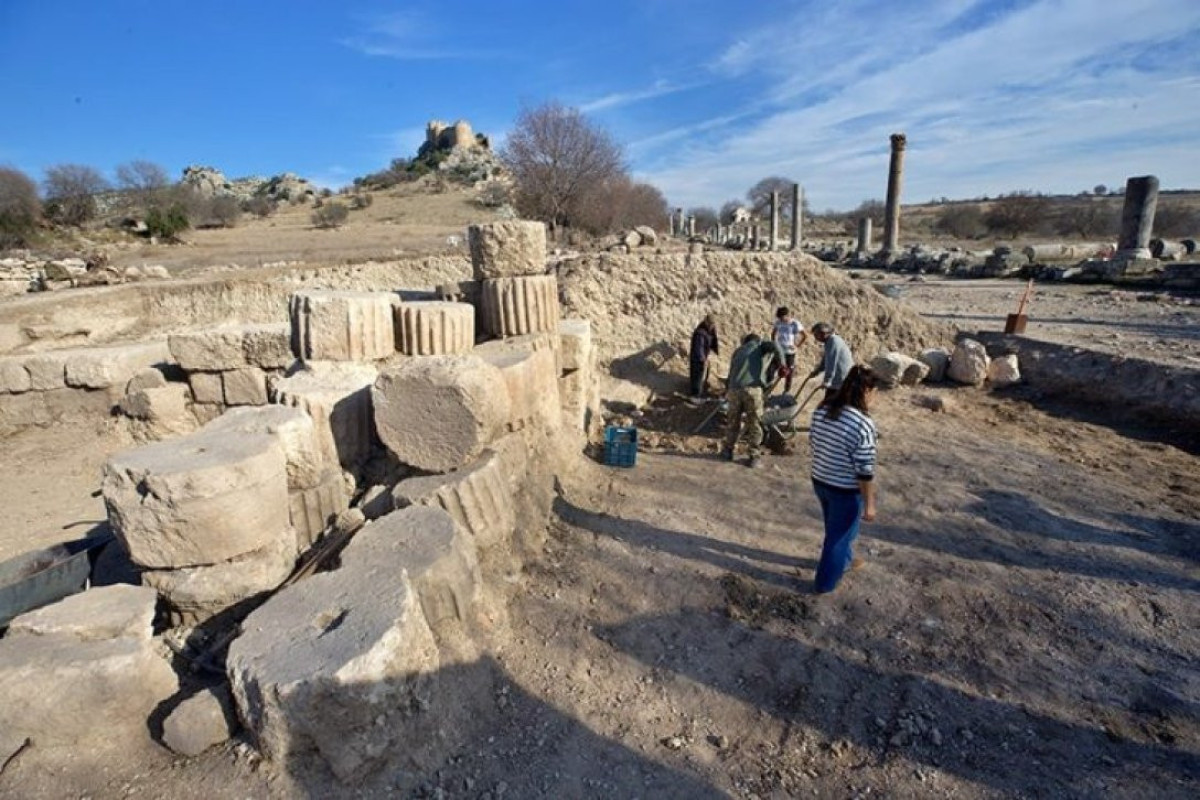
[(1026, 624)]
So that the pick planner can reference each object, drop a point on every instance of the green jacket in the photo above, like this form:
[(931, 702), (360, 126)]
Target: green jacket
[(750, 364)]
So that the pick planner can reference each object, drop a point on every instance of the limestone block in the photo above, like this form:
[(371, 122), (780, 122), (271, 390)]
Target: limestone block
[(968, 363), (47, 371), (342, 326), (245, 387), (514, 306), (648, 234), (94, 682), (338, 398), (433, 328), (167, 402), (312, 508), (233, 346), (508, 248), (207, 412), (267, 346), (438, 413), (576, 338), (106, 612), (914, 373), (292, 427), (14, 377), (102, 367), (205, 719), (202, 499), (478, 498), (336, 664), (10, 288), (440, 559), (530, 374), (937, 359), (889, 367), (196, 594), (146, 378), (207, 387), (1003, 371)]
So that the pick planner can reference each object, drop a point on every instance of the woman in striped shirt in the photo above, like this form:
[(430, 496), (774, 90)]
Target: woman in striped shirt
[(843, 468)]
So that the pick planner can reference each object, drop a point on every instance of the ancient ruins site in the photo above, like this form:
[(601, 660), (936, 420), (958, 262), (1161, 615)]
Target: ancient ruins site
[(334, 513)]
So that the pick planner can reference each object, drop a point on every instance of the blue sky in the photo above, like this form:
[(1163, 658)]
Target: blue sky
[(706, 97)]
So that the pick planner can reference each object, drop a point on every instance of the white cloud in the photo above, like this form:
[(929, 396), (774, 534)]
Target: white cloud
[(409, 35), (617, 99), (1044, 97)]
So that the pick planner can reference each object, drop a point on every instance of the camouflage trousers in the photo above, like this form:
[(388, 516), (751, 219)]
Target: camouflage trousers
[(746, 403)]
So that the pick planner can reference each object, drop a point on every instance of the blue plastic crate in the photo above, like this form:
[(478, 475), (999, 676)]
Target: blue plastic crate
[(620, 446)]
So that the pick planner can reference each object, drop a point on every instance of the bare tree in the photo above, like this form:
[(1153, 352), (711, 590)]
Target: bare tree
[(1088, 218), (1016, 213), (960, 220), (620, 203), (143, 179), (71, 191), (705, 217), (760, 196), (556, 156), (19, 208), (725, 215)]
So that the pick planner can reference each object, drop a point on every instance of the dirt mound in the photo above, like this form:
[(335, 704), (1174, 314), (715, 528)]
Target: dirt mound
[(644, 307)]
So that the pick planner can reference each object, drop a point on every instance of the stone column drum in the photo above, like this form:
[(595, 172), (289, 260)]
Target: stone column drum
[(201, 499), (1137, 217), (891, 230), (516, 306), (435, 328), (342, 326)]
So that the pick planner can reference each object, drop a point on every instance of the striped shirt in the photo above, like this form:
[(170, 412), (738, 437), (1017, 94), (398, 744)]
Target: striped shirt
[(843, 449)]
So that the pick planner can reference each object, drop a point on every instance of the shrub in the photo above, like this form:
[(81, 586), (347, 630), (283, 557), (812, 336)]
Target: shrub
[(167, 223), (19, 208), (330, 215), (144, 180), (260, 206), (962, 221), (1017, 213), (224, 211), (1173, 219), (71, 191), (359, 201), (494, 194)]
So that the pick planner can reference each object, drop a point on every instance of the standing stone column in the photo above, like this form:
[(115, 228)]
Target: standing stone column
[(891, 229), (682, 222), (753, 237), (797, 216), (864, 235), (1137, 217), (691, 226), (671, 222), (774, 245)]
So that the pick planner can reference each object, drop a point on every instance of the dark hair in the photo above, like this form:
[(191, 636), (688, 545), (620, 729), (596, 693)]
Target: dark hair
[(781, 312), (853, 392), (823, 328), (751, 337)]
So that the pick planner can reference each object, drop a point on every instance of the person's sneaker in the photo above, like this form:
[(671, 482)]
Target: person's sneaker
[(727, 455), (754, 462)]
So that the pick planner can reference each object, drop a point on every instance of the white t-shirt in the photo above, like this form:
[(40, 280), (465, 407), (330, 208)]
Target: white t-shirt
[(786, 332)]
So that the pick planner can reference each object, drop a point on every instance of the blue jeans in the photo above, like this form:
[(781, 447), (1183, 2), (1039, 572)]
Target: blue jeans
[(842, 509)]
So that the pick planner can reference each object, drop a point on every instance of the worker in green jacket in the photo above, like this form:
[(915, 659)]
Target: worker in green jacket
[(748, 382)]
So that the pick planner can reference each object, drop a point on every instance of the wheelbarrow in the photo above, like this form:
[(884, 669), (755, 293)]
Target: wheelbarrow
[(46, 576)]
